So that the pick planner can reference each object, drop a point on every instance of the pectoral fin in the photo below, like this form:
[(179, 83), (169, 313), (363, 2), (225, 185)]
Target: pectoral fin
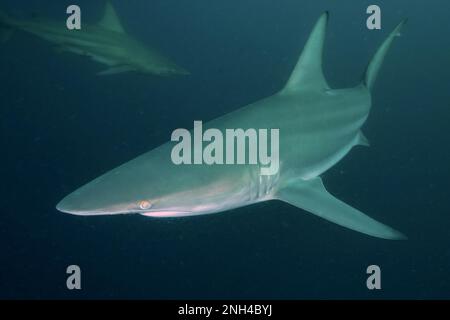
[(312, 196)]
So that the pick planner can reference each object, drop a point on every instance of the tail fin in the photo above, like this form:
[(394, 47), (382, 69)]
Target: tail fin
[(6, 29), (377, 60)]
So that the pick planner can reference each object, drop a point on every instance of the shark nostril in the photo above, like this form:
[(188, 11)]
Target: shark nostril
[(144, 205)]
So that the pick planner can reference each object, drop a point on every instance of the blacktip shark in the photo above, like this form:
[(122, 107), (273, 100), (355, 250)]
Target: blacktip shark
[(105, 42), (318, 126)]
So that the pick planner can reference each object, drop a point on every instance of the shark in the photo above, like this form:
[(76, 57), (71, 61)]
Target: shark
[(317, 125), (106, 42)]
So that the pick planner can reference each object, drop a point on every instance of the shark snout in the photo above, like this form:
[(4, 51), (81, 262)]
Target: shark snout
[(74, 205), (98, 199), (78, 207), (66, 206)]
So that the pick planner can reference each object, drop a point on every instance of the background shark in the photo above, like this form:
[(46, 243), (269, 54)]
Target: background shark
[(318, 127), (106, 42)]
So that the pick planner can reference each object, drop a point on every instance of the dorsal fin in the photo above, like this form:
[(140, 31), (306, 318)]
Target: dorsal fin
[(111, 20), (308, 71)]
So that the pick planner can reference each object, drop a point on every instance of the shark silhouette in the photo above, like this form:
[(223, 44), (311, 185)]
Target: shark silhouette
[(318, 126), (106, 42)]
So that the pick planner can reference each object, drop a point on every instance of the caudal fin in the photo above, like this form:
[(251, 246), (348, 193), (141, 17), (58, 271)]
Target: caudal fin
[(375, 64)]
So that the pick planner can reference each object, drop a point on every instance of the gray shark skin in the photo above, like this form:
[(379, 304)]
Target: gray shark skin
[(318, 126), (106, 42)]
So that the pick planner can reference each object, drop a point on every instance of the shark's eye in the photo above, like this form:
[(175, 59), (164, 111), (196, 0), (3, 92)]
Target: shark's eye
[(144, 205)]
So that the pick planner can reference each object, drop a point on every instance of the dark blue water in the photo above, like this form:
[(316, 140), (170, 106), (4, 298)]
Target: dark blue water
[(62, 126)]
